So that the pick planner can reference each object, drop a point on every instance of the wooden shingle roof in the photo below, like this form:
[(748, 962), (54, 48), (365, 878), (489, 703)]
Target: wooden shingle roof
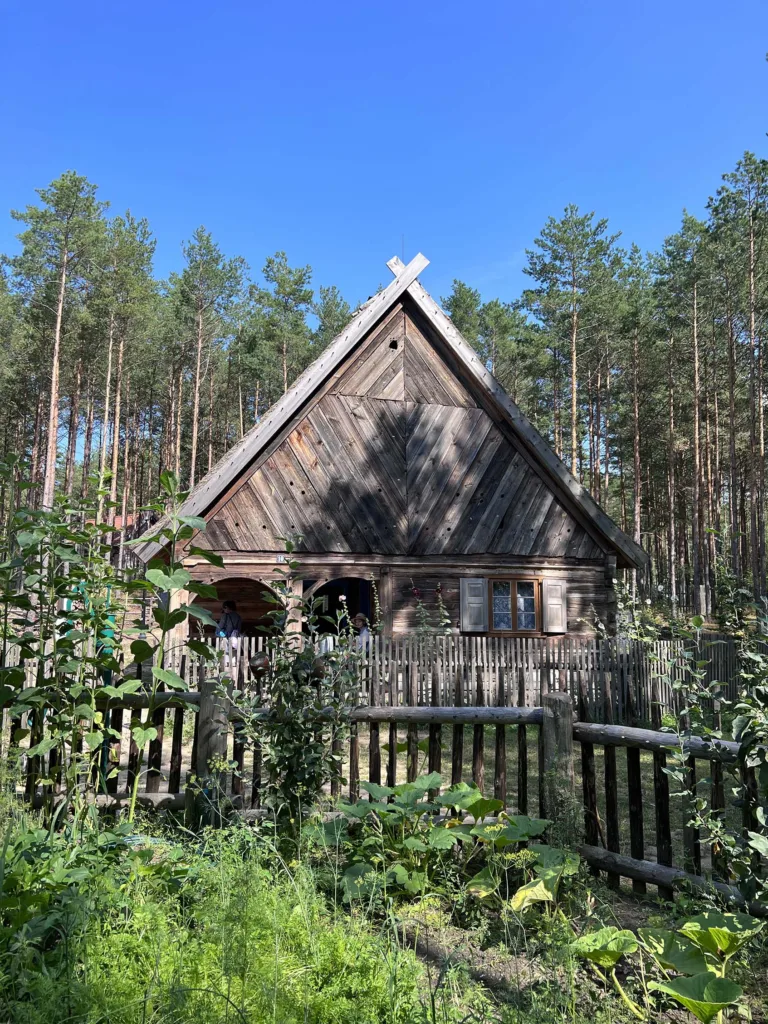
[(242, 456)]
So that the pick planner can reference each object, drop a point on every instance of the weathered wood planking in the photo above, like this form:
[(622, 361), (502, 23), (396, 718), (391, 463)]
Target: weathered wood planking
[(398, 459)]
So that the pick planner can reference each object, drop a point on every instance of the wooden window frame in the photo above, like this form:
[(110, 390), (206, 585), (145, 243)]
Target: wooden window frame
[(514, 580)]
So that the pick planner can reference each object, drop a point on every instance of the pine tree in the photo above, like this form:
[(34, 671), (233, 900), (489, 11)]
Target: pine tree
[(61, 246), (569, 254)]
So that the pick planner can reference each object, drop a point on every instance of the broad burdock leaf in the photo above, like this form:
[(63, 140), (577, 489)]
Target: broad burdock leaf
[(483, 884), (377, 792), (606, 946), (536, 891), (672, 951), (440, 838), (721, 934), (704, 994)]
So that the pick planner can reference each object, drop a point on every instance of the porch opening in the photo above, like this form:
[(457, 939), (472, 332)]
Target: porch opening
[(252, 599)]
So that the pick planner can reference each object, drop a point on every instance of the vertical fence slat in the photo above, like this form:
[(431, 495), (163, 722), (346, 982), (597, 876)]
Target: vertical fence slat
[(457, 745), (500, 762), (588, 779), (394, 673), (115, 750), (412, 735), (661, 796), (478, 737), (522, 748), (435, 732), (611, 798), (374, 743), (635, 794)]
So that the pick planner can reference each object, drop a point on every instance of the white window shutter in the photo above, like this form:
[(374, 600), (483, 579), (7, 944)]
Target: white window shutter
[(474, 605), (555, 606)]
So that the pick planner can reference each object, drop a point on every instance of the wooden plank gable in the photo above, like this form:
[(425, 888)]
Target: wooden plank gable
[(372, 473)]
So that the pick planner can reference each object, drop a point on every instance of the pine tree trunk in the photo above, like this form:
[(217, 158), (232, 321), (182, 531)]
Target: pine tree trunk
[(695, 500), (210, 419), (74, 425), (671, 540), (733, 487), (574, 381), (106, 417), (606, 446), (598, 412), (116, 430), (49, 481), (177, 436), (87, 443), (710, 496), (638, 495), (37, 440), (591, 435), (126, 483), (196, 398), (556, 424)]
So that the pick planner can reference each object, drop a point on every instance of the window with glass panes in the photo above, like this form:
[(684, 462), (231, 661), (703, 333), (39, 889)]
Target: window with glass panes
[(514, 606)]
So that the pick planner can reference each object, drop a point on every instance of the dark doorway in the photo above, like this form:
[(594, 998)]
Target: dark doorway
[(358, 598)]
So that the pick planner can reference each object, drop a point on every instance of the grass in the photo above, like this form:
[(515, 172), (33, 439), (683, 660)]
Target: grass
[(223, 933), (227, 927)]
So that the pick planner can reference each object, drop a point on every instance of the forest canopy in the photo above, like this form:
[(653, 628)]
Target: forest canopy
[(644, 370)]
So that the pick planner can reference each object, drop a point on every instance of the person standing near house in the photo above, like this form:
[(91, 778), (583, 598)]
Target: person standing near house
[(230, 624), (363, 632)]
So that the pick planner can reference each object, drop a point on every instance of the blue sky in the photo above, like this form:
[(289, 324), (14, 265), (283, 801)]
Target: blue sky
[(331, 130)]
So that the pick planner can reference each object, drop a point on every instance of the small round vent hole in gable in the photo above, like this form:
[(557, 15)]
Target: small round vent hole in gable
[(393, 344)]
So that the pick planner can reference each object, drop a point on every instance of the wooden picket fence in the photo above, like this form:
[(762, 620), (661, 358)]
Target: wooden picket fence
[(433, 704), (624, 674)]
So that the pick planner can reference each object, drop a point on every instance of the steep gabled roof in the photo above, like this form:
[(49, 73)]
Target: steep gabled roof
[(239, 458)]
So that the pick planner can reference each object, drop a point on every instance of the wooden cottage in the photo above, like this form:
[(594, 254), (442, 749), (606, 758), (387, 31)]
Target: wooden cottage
[(399, 462)]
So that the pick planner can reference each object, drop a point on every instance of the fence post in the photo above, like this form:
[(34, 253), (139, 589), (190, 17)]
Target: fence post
[(557, 755), (213, 729)]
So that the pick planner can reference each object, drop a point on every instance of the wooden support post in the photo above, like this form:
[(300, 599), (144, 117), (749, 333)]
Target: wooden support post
[(177, 740), (478, 736), (661, 797), (635, 793), (133, 752), (295, 610), (35, 763), (500, 762), (211, 749), (155, 756), (557, 744), (457, 746), (719, 863), (392, 755), (354, 763), (258, 675), (374, 745), (588, 778), (336, 750), (611, 794), (115, 747), (691, 837), (435, 732), (412, 736), (386, 601), (522, 750), (238, 737)]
